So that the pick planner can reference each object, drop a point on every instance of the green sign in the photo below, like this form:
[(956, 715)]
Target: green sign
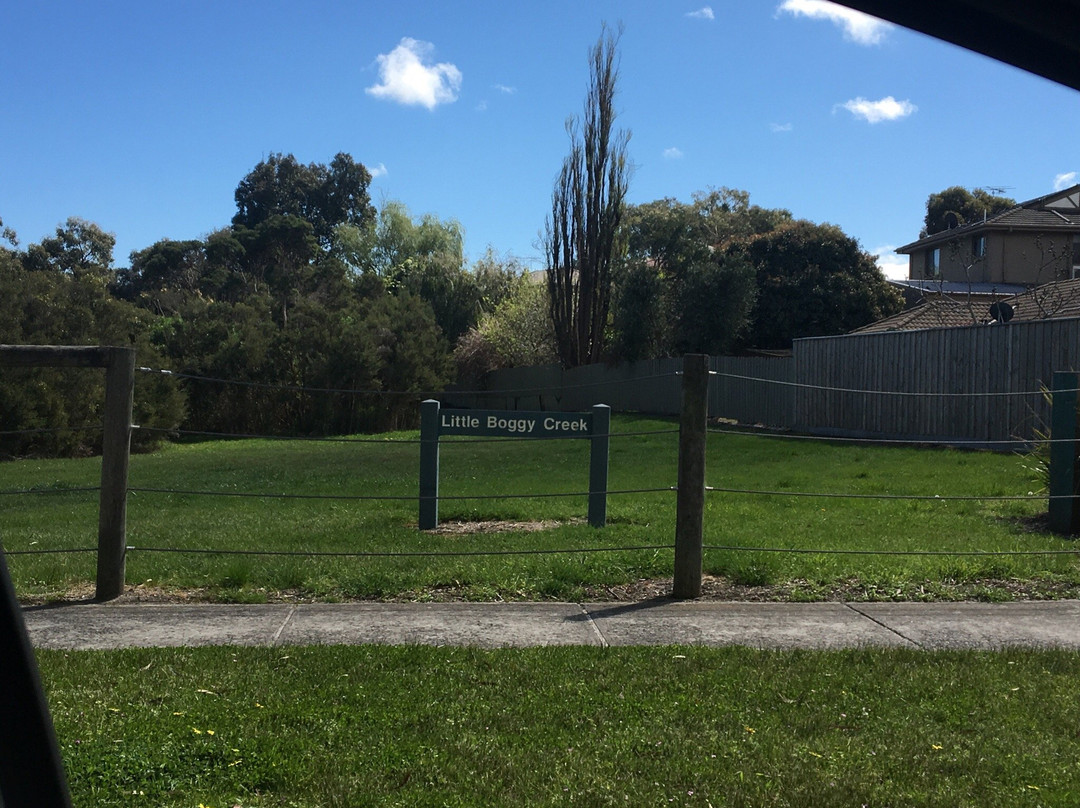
[(436, 422), (514, 424)]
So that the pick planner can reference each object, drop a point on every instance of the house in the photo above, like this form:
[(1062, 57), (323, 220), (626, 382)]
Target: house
[(1059, 299), (1034, 243)]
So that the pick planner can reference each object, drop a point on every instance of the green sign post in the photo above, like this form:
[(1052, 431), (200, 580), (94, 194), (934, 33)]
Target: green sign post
[(435, 422)]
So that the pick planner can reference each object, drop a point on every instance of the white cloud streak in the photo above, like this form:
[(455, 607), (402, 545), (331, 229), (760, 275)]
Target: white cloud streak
[(673, 154), (407, 77), (857, 27), (891, 264), (1062, 181), (705, 13), (885, 109), (780, 127), (378, 171), (502, 88)]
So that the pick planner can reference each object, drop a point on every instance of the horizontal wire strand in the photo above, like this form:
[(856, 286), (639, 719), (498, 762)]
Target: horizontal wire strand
[(408, 393), (52, 430), (443, 440), (50, 552), (573, 550), (924, 497), (902, 393), (897, 441), (388, 497), (43, 491), (986, 553), (609, 382), (404, 554)]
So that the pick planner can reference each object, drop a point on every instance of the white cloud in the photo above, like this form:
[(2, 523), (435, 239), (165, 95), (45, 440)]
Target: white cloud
[(405, 76), (502, 88), (893, 266), (378, 171), (705, 13), (673, 154), (858, 27), (1062, 181), (886, 109), (780, 127), (481, 106)]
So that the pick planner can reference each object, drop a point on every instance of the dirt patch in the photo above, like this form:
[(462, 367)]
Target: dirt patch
[(498, 526)]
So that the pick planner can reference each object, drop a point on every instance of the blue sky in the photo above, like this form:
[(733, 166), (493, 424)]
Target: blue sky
[(143, 117)]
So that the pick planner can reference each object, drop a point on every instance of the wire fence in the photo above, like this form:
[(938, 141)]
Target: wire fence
[(886, 393), (418, 394), (495, 496), (611, 382)]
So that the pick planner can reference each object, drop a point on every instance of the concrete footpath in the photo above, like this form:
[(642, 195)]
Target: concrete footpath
[(928, 626)]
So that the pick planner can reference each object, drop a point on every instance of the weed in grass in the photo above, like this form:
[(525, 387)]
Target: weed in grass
[(242, 595), (988, 594), (286, 577), (637, 726), (236, 573), (753, 574)]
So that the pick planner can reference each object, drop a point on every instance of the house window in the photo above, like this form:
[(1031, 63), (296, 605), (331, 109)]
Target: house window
[(933, 263), (1076, 256), (978, 247)]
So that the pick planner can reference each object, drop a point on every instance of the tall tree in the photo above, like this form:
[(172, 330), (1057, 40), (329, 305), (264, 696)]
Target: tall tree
[(676, 292), (957, 206), (813, 280), (324, 196), (55, 293), (426, 258), (165, 276), (79, 249), (587, 204)]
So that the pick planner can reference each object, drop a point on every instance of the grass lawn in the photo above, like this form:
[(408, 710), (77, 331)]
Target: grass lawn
[(57, 519), (417, 726)]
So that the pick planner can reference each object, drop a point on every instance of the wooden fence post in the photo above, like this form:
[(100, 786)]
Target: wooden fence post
[(690, 512), (119, 364), (1064, 507), (115, 455)]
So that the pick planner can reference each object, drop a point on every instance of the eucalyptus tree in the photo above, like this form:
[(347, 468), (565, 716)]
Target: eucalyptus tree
[(325, 196), (957, 206), (79, 249), (677, 292)]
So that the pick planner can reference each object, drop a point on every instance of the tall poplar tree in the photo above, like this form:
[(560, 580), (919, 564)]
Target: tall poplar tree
[(580, 238)]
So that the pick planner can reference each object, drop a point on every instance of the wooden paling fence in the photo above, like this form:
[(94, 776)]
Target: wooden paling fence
[(976, 383)]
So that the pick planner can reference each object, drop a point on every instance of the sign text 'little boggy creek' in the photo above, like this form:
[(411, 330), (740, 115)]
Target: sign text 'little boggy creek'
[(521, 424)]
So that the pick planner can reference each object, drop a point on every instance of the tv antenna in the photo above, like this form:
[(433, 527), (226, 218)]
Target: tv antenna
[(995, 189)]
